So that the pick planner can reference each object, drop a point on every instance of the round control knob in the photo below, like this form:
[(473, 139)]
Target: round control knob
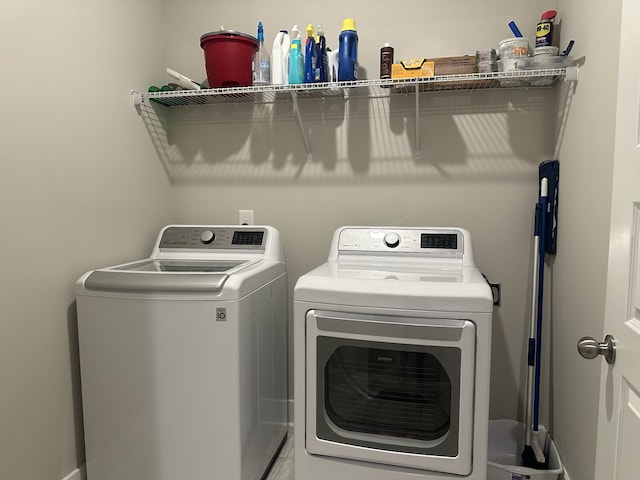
[(207, 237), (392, 239)]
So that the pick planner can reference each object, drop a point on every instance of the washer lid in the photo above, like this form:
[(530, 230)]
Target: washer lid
[(181, 266), (166, 275)]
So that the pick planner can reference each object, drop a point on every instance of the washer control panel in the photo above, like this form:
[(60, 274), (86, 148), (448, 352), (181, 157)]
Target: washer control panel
[(434, 241), (204, 237)]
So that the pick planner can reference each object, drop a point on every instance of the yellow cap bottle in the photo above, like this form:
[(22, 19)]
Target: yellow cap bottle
[(349, 24)]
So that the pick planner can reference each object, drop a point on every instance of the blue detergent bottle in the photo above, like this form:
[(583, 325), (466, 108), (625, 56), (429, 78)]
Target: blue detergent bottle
[(321, 56), (310, 56), (296, 58), (348, 51)]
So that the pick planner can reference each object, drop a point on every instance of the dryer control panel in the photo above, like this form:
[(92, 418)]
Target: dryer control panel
[(432, 242)]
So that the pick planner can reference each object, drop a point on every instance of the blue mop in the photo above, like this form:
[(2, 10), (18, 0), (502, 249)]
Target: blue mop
[(545, 232)]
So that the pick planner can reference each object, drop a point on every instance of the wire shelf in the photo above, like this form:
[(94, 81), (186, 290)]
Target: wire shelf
[(343, 91), (361, 88)]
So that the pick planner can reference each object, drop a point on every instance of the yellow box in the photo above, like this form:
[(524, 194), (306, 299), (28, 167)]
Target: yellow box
[(412, 68)]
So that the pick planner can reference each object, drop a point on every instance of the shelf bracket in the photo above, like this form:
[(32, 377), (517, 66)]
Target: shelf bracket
[(136, 97), (571, 74), (417, 150), (296, 109)]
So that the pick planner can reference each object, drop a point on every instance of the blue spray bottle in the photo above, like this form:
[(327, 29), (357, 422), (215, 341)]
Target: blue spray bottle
[(321, 56), (296, 58), (348, 51), (310, 56)]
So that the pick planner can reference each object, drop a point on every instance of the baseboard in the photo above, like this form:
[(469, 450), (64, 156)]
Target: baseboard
[(77, 474), (290, 411)]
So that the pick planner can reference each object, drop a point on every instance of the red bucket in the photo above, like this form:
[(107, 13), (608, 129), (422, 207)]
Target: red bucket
[(228, 58)]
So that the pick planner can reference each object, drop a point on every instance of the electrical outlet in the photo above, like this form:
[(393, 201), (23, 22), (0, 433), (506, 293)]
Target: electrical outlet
[(245, 217), (495, 290)]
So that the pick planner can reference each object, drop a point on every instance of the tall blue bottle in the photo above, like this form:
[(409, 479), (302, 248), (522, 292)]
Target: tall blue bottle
[(310, 56), (348, 51), (321, 56)]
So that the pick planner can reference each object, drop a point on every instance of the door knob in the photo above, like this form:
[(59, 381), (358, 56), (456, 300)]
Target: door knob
[(589, 348)]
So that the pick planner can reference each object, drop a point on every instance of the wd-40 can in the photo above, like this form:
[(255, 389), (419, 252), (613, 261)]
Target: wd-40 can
[(544, 30)]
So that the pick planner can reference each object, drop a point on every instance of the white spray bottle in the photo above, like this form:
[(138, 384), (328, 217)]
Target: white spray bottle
[(280, 58)]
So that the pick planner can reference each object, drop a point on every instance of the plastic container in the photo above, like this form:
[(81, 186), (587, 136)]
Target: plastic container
[(348, 51), (228, 58), (386, 60), (486, 55), (511, 65), (545, 51), (296, 58), (505, 449), (279, 58), (321, 56), (545, 62), (332, 65), (310, 56), (262, 61), (487, 67), (513, 47)]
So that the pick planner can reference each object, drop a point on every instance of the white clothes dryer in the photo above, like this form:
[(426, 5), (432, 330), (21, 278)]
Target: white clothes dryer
[(183, 357), (392, 341)]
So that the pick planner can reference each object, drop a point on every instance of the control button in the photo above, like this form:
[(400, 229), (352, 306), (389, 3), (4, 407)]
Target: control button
[(207, 237), (392, 239)]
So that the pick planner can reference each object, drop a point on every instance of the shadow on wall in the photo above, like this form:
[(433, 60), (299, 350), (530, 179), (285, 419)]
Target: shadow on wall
[(505, 387), (449, 136)]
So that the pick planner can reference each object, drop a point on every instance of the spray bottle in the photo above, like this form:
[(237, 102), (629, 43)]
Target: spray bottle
[(310, 56), (544, 29), (332, 65), (348, 51), (261, 62), (296, 58), (280, 58), (321, 56)]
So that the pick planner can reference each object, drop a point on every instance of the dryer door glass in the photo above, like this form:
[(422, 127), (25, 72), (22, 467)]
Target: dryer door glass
[(405, 396)]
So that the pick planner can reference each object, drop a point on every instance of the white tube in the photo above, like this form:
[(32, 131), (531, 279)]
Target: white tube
[(183, 81)]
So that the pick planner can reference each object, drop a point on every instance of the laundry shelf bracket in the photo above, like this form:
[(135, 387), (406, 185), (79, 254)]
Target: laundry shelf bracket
[(296, 109), (571, 74), (417, 149)]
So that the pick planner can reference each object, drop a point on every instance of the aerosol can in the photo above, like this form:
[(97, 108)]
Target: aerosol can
[(544, 29)]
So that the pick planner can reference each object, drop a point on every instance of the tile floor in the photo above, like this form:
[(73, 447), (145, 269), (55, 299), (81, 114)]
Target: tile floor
[(282, 468)]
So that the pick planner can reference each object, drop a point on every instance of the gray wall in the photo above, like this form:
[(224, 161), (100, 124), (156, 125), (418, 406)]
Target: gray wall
[(580, 268), (80, 187), (83, 187), (478, 169)]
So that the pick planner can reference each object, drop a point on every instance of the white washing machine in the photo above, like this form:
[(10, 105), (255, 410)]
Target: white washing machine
[(183, 357), (392, 341)]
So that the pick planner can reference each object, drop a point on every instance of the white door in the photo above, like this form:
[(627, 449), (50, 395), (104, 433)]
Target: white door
[(617, 451)]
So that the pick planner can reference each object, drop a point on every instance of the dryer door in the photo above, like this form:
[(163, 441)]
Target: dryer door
[(392, 390)]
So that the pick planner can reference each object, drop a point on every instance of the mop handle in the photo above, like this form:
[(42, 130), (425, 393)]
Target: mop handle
[(543, 226), (531, 349)]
